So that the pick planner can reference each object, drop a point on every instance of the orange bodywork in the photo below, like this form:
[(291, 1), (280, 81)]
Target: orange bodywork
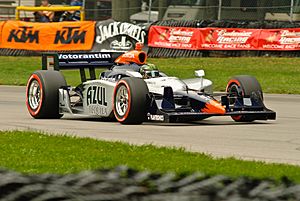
[(134, 56), (213, 107)]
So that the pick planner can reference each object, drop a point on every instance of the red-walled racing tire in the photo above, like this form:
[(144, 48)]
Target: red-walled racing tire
[(243, 86), (130, 102), (42, 98)]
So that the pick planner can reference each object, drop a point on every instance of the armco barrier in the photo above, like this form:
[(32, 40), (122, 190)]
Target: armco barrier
[(123, 184)]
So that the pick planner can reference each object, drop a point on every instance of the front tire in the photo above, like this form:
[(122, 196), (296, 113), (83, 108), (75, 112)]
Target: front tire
[(130, 103), (243, 86), (42, 98)]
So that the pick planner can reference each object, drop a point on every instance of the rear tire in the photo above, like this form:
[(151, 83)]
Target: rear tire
[(130, 102), (243, 86), (42, 98)]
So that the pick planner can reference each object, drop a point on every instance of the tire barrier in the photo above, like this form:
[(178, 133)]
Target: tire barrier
[(123, 183), (15, 52)]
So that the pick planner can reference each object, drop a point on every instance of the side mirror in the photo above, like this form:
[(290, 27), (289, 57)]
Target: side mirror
[(199, 73)]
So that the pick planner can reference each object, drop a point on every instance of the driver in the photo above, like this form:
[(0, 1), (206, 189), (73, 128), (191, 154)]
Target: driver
[(149, 71)]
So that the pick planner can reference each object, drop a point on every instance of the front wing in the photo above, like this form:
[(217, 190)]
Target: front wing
[(177, 116)]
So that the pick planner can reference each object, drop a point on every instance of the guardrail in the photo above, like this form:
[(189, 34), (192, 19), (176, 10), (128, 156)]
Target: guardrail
[(54, 9)]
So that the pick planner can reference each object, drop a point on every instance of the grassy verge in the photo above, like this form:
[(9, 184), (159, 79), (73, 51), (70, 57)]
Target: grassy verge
[(37, 153), (276, 75)]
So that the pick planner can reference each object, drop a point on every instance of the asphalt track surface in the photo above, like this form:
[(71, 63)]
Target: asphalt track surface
[(271, 141)]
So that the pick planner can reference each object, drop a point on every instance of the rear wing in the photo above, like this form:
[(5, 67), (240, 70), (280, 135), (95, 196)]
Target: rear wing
[(81, 61)]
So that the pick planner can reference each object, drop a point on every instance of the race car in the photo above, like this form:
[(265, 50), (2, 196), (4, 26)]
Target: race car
[(133, 91)]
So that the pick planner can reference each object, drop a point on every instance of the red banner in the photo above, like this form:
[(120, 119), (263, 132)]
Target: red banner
[(280, 39), (224, 38), (48, 36), (229, 39), (174, 37)]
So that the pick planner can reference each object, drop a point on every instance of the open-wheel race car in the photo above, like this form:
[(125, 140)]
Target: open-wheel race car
[(133, 91)]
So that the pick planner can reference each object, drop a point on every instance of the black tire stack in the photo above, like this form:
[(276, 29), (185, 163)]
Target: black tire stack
[(122, 183)]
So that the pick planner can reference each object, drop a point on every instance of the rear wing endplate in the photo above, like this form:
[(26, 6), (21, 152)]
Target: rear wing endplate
[(81, 61)]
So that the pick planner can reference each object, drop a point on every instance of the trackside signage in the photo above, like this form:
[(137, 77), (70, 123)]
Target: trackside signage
[(280, 39), (118, 36), (224, 38), (54, 36), (1, 26)]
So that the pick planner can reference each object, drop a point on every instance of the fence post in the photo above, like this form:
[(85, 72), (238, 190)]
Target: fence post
[(149, 11), (292, 11), (220, 9)]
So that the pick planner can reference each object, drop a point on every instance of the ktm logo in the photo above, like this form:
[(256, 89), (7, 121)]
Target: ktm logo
[(70, 35), (23, 34)]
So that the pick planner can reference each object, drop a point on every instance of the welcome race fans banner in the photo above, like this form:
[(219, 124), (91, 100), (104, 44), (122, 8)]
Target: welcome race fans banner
[(51, 36), (174, 37), (224, 38), (279, 39)]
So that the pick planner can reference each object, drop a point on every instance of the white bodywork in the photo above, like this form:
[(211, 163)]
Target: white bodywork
[(98, 94)]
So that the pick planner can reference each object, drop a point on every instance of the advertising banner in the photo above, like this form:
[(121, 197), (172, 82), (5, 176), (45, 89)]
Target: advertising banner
[(118, 36), (280, 39), (1, 26), (224, 38), (228, 39), (48, 36), (174, 37)]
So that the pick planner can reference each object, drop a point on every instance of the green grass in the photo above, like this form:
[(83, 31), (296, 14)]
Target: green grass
[(32, 152), (276, 75)]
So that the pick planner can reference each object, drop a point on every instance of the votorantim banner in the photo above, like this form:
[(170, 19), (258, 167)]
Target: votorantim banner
[(118, 36)]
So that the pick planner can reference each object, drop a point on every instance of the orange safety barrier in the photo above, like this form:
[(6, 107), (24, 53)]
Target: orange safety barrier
[(1, 26), (59, 36)]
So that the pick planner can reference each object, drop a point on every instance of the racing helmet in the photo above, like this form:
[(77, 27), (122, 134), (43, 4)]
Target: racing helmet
[(149, 71)]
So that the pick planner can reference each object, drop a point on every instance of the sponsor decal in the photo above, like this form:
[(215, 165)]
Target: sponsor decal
[(156, 117), (97, 110), (96, 95), (84, 56), (118, 36), (96, 100)]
